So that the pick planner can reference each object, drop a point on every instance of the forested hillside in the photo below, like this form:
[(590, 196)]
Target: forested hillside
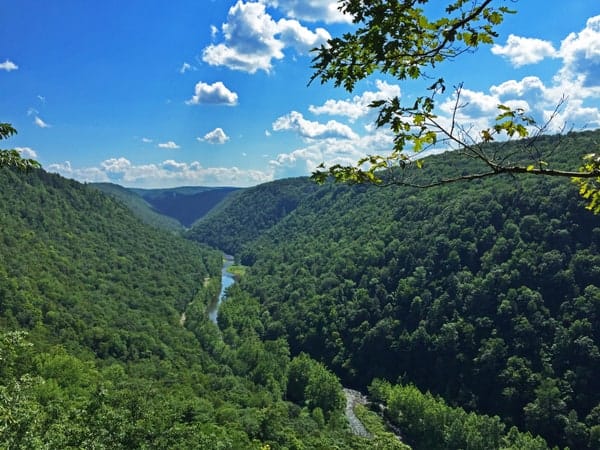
[(140, 207), (245, 214), (486, 293), (185, 204), (96, 353)]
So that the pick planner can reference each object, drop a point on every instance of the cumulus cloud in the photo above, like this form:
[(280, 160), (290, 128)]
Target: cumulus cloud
[(577, 81), (358, 106), (253, 39), (213, 94), (292, 34), (304, 160), (521, 51), (40, 123), (88, 174), (581, 54), (26, 152), (169, 173), (295, 121), (311, 10), (170, 145), (8, 66), (216, 136)]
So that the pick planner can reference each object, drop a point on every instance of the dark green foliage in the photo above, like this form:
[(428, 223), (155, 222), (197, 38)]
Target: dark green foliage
[(245, 214), (310, 383), (485, 293), (12, 158), (140, 207), (93, 353), (185, 204)]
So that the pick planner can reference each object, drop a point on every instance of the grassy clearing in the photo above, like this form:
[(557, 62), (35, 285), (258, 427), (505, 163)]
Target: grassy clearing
[(237, 270)]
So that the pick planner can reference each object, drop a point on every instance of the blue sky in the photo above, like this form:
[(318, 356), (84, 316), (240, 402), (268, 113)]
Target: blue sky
[(214, 92)]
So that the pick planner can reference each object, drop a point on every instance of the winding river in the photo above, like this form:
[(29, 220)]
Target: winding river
[(227, 280), (352, 397)]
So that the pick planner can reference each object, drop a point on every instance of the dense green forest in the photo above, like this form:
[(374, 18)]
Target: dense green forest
[(140, 207), (486, 293), (185, 204), (469, 312), (95, 351), (246, 214)]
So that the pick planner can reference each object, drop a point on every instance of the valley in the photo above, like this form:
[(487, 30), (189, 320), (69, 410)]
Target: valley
[(469, 314)]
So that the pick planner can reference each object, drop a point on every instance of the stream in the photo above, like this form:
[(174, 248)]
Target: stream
[(227, 280), (352, 397)]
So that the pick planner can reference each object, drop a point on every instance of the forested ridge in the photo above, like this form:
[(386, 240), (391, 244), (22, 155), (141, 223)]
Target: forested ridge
[(468, 312), (140, 207), (185, 204), (244, 215), (94, 354), (486, 293)]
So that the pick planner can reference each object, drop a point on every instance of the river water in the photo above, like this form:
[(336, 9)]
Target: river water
[(226, 281)]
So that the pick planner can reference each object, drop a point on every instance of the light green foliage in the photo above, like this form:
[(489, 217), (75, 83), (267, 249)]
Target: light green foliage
[(428, 423), (589, 188), (310, 383), (408, 40), (12, 158)]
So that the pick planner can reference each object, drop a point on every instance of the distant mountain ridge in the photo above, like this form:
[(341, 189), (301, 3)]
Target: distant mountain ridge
[(186, 204), (168, 208)]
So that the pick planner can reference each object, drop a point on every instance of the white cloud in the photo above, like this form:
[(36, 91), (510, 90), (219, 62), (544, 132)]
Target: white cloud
[(213, 31), (169, 145), (293, 34), (216, 136), (88, 174), (169, 173), (186, 67), (358, 106), (521, 51), (311, 10), (518, 88), (116, 165), (581, 54), (214, 94), (303, 161), (146, 140), (40, 123), (8, 66), (313, 130), (27, 152), (253, 39)]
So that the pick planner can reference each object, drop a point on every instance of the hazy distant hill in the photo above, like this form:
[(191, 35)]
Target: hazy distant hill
[(140, 207), (186, 204)]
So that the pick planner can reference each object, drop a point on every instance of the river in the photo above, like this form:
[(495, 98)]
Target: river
[(227, 280)]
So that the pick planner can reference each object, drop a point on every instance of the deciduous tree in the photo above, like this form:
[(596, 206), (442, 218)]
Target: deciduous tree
[(408, 39)]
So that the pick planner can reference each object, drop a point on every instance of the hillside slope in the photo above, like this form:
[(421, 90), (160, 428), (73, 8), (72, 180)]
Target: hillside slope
[(246, 214), (94, 352), (185, 204), (486, 292), (140, 207)]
